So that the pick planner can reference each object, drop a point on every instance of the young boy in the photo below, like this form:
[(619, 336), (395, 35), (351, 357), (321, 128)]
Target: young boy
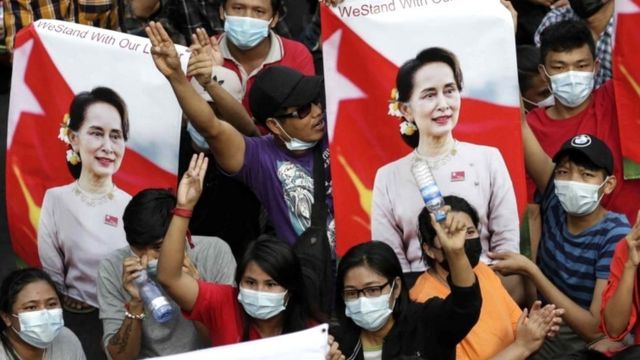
[(578, 239)]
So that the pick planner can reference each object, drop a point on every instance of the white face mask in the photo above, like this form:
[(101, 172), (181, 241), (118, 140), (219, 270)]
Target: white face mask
[(571, 88), (578, 198), (296, 144), (548, 102), (39, 328), (245, 32), (261, 305), (370, 313)]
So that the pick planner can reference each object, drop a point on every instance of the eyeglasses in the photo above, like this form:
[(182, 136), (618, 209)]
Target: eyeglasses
[(369, 292), (301, 112)]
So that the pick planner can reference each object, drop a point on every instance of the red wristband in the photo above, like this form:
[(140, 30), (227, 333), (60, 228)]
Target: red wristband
[(185, 213)]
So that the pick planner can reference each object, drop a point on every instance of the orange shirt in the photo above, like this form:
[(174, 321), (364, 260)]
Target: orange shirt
[(496, 327)]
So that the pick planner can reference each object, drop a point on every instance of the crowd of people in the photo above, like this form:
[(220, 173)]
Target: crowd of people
[(255, 190)]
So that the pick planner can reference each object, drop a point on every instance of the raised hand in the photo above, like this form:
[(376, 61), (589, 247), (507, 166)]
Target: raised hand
[(131, 267), (451, 232), (163, 51), (201, 61), (633, 242), (190, 187)]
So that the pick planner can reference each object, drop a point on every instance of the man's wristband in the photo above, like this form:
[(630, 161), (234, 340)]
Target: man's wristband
[(129, 315), (185, 213)]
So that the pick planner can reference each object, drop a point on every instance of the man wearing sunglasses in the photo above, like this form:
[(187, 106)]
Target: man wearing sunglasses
[(278, 167)]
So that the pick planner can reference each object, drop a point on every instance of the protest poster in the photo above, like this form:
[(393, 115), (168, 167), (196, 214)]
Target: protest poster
[(52, 63), (310, 344), (364, 43)]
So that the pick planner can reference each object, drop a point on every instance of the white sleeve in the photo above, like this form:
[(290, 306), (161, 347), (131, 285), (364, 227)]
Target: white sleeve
[(49, 250), (383, 225)]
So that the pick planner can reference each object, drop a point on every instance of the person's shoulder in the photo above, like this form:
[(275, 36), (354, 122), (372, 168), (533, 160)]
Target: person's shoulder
[(68, 341), (60, 191), (121, 194), (207, 247), (293, 46), (616, 222), (477, 149), (395, 165), (113, 261)]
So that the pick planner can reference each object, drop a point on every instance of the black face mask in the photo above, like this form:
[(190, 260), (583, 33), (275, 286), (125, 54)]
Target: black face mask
[(473, 249), (586, 8)]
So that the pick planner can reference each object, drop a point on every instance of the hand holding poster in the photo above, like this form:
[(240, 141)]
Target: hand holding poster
[(310, 344), (365, 43), (91, 122)]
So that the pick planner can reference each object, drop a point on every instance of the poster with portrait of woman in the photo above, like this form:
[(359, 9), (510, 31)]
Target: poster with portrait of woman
[(91, 123), (458, 105)]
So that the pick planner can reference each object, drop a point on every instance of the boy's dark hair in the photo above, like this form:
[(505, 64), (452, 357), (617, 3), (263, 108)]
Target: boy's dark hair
[(426, 232), (147, 216), (582, 160), (564, 36)]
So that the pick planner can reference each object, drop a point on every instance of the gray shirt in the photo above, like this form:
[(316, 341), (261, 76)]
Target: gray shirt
[(65, 346), (215, 263)]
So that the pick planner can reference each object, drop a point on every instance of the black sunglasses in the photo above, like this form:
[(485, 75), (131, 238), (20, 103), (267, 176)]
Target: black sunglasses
[(301, 112)]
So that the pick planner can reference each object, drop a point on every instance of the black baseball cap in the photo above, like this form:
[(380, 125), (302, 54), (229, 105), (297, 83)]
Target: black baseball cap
[(590, 146), (279, 87)]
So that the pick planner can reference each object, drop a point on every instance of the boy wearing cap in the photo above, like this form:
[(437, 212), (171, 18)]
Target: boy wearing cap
[(578, 239), (568, 65), (278, 167)]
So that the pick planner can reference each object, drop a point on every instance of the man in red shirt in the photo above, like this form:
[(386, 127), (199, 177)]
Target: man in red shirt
[(568, 65), (248, 44)]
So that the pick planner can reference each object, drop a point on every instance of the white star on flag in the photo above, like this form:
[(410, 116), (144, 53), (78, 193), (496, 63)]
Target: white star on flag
[(22, 98), (626, 7), (338, 87)]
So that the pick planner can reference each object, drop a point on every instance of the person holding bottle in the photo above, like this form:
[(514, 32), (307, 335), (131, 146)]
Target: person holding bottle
[(32, 323), (428, 99), (130, 329), (376, 319)]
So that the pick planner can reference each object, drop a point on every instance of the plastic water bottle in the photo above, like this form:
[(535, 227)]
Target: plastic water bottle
[(152, 297), (431, 195)]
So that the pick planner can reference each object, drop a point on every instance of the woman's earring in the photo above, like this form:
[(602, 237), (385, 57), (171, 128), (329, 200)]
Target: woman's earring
[(72, 157)]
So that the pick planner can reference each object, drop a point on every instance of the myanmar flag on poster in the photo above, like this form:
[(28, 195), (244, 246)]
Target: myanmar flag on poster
[(54, 61), (626, 76), (364, 43)]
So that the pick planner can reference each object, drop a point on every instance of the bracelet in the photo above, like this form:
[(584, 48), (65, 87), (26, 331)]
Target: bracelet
[(185, 213), (129, 315)]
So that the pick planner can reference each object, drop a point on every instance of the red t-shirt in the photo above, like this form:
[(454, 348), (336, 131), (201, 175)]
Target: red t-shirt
[(600, 119), (218, 309), (620, 256)]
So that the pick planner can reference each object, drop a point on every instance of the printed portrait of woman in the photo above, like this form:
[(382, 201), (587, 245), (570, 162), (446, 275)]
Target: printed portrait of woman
[(428, 101), (81, 222)]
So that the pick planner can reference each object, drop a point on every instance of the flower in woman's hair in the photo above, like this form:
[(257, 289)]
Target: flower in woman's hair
[(408, 128), (72, 157), (63, 135), (394, 104)]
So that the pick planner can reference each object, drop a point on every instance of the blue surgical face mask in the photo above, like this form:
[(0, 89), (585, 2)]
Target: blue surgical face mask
[(571, 88), (245, 32), (262, 305), (294, 144), (370, 313), (39, 328), (152, 267)]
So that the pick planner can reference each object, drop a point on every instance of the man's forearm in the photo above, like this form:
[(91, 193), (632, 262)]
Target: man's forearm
[(126, 343), (231, 110)]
